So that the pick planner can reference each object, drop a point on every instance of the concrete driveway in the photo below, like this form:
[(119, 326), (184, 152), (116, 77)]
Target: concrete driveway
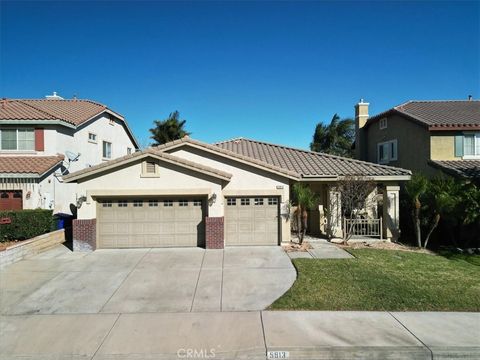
[(146, 280)]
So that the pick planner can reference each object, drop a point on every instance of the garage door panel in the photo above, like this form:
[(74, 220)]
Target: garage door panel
[(253, 223), (150, 223)]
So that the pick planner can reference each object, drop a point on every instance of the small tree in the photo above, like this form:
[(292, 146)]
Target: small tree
[(305, 199), (355, 192), (416, 189), (440, 199), (169, 129)]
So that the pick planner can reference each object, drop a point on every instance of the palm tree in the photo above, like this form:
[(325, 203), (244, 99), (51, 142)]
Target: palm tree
[(336, 138), (169, 129), (305, 199)]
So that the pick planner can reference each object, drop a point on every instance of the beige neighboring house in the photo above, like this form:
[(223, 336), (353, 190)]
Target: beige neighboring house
[(236, 192), (428, 137), (43, 139)]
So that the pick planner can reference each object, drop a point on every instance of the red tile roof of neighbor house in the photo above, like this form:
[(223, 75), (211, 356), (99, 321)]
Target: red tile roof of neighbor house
[(438, 115), (36, 165), (469, 169), (307, 163), (74, 111)]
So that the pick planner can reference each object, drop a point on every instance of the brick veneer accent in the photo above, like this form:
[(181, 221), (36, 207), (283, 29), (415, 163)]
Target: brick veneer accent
[(214, 233), (84, 234)]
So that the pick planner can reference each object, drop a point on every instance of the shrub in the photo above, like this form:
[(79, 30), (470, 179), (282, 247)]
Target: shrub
[(25, 224)]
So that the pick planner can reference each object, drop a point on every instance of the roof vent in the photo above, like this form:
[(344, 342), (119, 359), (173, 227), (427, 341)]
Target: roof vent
[(54, 96)]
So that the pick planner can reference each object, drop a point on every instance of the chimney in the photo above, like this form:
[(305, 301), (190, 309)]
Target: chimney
[(361, 116), (470, 98)]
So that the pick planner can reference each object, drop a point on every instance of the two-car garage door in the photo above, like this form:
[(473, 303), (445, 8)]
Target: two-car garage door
[(151, 222)]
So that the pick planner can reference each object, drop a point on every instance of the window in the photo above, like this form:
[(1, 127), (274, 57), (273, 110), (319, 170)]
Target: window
[(107, 150), (129, 151), (167, 203), (197, 202), (92, 137), (107, 204), (258, 201), (244, 201), (137, 203), (153, 203), (383, 123), (17, 139), (471, 145), (272, 201), (122, 203), (182, 203), (231, 202), (387, 151), (111, 120)]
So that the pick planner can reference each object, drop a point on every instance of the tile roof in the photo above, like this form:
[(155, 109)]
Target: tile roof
[(438, 114), (35, 165), (469, 169), (232, 154), (74, 111), (306, 163), (152, 151)]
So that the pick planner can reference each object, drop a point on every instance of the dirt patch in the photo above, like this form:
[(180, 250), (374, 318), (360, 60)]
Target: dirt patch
[(385, 245), (292, 247)]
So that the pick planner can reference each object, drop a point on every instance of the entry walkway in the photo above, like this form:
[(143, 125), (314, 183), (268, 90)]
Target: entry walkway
[(241, 335), (321, 249)]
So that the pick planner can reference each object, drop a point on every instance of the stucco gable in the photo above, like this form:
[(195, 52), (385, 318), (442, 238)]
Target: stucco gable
[(98, 170)]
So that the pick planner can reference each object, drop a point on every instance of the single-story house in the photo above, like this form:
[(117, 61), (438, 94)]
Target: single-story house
[(236, 192)]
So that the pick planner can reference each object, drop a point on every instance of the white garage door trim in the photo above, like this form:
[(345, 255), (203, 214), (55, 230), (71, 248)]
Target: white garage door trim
[(252, 220), (151, 222)]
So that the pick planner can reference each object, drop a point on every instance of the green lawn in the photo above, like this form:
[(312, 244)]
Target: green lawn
[(385, 280)]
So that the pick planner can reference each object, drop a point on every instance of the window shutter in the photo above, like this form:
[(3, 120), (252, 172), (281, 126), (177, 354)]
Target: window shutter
[(458, 145), (39, 140)]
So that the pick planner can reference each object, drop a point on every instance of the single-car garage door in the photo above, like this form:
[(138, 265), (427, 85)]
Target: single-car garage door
[(150, 222), (252, 220)]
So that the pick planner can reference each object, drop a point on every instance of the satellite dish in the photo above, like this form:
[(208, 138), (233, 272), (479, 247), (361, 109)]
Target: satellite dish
[(72, 156)]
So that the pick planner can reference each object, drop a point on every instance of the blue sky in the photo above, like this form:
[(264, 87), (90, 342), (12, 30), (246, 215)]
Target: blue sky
[(264, 70)]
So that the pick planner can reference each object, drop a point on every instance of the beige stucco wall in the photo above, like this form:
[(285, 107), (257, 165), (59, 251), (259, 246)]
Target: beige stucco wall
[(413, 143), (442, 146), (175, 180), (246, 179)]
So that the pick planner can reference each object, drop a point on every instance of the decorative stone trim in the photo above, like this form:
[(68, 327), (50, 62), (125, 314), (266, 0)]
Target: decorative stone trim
[(28, 248), (214, 232), (84, 234)]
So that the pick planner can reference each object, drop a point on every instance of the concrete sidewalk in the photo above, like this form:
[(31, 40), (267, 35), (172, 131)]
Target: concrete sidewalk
[(241, 335)]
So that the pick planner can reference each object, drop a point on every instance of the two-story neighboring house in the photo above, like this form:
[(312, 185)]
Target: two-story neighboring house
[(429, 137), (41, 140)]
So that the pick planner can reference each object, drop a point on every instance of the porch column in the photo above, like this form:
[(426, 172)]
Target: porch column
[(391, 223), (334, 218)]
